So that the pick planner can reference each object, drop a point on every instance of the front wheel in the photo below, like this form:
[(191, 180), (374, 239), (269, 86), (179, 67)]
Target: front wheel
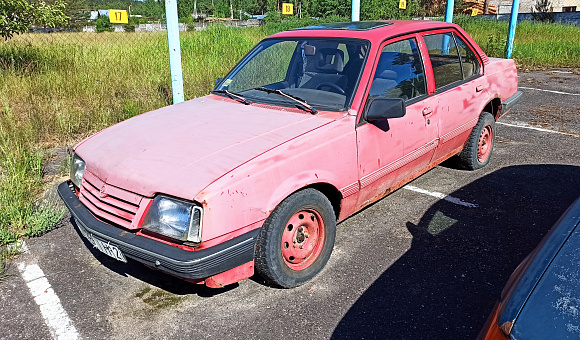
[(296, 240), (477, 151)]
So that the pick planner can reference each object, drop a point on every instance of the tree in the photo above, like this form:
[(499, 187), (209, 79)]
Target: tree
[(103, 24), (16, 16), (387, 9), (542, 11)]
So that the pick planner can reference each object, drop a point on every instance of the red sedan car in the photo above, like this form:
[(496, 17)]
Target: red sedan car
[(311, 126)]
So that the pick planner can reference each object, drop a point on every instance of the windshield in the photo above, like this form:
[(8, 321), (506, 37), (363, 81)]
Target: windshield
[(320, 72)]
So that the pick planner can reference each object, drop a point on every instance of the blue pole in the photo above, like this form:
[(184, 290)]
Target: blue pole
[(449, 12), (512, 29), (174, 50), (448, 18), (355, 12)]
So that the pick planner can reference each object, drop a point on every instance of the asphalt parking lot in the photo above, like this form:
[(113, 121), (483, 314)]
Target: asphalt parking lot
[(411, 266)]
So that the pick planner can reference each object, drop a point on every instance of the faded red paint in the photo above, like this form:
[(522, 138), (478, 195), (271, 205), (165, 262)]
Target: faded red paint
[(240, 161), (231, 276)]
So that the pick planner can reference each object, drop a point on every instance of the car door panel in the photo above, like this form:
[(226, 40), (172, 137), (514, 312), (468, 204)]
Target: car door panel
[(394, 150), (458, 91)]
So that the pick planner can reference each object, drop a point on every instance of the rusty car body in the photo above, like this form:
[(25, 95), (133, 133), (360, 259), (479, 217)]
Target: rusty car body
[(311, 126)]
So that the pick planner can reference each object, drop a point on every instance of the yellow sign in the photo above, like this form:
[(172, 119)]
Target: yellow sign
[(118, 17), (474, 12), (403, 4), (287, 8)]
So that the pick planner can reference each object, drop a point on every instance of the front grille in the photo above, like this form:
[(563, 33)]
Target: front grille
[(109, 203)]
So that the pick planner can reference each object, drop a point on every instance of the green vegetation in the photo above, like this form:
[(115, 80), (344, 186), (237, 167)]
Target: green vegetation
[(537, 44), (16, 16), (56, 89), (60, 88), (6, 253)]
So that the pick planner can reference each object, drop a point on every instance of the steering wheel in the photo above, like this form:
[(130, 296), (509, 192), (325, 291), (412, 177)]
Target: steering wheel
[(331, 85)]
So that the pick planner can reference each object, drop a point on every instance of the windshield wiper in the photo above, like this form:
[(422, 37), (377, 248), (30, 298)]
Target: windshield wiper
[(234, 96), (303, 104)]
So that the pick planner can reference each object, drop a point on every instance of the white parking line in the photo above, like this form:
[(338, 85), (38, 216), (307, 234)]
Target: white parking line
[(526, 126), (551, 91), (441, 196), (19, 246), (54, 315)]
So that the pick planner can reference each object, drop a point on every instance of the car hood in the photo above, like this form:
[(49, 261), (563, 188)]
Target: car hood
[(181, 149), (551, 311)]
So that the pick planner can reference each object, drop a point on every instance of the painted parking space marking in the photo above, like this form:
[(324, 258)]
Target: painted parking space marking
[(551, 91), (53, 313), (526, 126), (441, 196), (19, 246)]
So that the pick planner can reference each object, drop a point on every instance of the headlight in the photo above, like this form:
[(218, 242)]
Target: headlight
[(174, 218), (77, 169)]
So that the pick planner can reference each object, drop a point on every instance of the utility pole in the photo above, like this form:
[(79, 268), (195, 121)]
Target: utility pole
[(174, 51), (486, 7), (512, 29), (449, 11), (355, 11)]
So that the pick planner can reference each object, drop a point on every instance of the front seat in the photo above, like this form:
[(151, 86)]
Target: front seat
[(329, 62)]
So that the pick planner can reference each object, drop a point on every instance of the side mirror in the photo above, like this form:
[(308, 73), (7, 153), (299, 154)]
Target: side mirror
[(384, 108), (217, 82)]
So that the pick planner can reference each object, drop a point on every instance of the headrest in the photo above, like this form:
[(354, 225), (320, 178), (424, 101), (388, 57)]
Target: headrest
[(309, 50), (330, 60)]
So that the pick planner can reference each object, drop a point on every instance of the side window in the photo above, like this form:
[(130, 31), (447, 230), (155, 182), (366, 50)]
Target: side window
[(399, 72), (469, 61), (444, 59)]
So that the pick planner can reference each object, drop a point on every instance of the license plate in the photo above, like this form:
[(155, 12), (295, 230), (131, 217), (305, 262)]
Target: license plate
[(109, 249), (105, 247)]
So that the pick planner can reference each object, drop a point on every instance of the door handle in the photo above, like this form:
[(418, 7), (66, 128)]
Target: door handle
[(479, 88), (427, 111)]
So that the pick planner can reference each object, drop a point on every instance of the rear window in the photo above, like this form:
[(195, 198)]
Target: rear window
[(444, 59), (469, 61)]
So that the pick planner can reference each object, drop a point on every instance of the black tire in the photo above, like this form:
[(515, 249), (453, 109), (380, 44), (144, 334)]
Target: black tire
[(306, 209), (478, 150)]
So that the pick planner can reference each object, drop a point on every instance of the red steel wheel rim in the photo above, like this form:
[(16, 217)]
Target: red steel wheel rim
[(303, 239), (484, 144)]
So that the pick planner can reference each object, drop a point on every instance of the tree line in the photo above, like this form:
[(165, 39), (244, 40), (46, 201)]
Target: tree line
[(16, 16)]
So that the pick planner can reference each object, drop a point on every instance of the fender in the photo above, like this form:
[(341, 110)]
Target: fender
[(250, 192)]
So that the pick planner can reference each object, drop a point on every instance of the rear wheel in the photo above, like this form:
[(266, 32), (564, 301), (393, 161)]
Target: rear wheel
[(296, 240), (477, 151)]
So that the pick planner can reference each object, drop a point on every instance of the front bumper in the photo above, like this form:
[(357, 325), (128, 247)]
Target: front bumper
[(164, 257)]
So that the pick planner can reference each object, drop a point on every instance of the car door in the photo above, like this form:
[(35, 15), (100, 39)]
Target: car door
[(393, 150), (458, 89)]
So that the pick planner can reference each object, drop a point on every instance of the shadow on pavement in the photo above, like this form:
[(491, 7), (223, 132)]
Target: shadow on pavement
[(151, 276), (460, 257)]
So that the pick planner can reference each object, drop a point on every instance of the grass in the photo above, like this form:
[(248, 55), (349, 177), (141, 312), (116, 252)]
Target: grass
[(56, 89), (536, 44)]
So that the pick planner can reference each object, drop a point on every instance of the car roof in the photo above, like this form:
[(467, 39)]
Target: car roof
[(374, 31)]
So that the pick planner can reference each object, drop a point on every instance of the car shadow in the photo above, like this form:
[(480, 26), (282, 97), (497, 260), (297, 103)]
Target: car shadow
[(460, 258), (151, 276)]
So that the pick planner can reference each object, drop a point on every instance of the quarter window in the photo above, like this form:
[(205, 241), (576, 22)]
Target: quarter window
[(399, 72), (469, 61), (444, 59)]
